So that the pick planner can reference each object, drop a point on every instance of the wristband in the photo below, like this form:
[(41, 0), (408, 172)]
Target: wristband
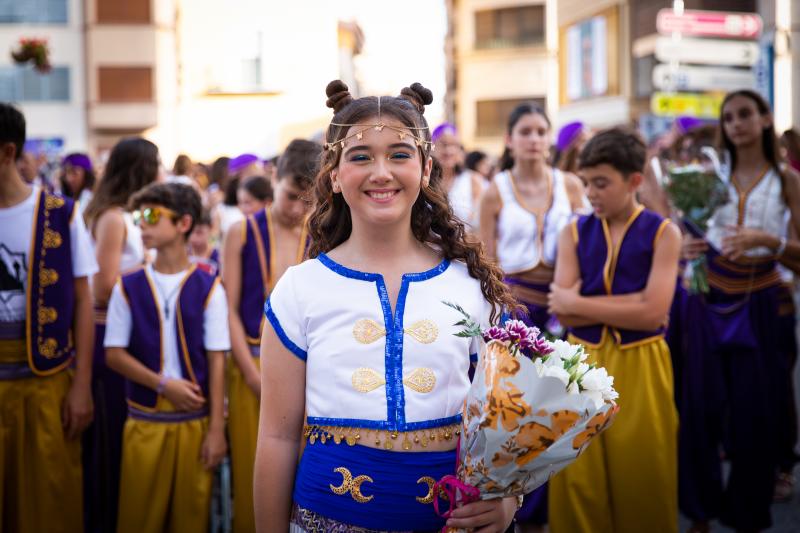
[(781, 247), (162, 384)]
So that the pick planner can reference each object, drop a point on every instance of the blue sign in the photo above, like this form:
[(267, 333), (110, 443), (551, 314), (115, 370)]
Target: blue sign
[(764, 68), (51, 146)]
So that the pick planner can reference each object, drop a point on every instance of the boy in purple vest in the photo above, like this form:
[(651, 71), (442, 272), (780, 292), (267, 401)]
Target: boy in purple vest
[(615, 277), (257, 252), (166, 333), (46, 336)]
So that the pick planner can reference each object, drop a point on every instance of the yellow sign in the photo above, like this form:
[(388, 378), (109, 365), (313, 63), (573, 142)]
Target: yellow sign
[(696, 105)]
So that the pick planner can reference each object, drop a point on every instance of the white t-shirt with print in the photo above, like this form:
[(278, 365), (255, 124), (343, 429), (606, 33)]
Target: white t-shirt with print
[(119, 323), (16, 225)]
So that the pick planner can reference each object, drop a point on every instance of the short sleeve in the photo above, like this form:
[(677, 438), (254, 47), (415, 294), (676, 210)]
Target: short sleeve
[(283, 310), (216, 335), (118, 320), (83, 260)]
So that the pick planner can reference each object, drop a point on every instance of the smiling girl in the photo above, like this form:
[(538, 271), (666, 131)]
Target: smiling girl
[(361, 369)]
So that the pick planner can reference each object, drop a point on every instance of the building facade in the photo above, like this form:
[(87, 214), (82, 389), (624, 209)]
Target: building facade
[(499, 53), (54, 103)]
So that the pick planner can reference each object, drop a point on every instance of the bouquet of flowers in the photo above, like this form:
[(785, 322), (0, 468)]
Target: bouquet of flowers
[(532, 408), (696, 192), (35, 51)]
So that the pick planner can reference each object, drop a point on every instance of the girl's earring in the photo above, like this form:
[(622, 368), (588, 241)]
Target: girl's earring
[(425, 181)]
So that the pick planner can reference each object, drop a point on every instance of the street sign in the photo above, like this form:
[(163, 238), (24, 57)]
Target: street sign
[(709, 24), (707, 51), (696, 105), (685, 78)]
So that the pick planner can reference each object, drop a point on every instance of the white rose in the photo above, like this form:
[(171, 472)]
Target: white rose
[(557, 372), (563, 349), (582, 369), (596, 379), (573, 388), (610, 394)]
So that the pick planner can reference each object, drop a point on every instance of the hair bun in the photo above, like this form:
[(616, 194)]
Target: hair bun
[(418, 95), (338, 95)]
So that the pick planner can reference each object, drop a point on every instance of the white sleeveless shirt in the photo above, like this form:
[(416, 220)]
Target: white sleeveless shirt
[(133, 247), (521, 243), (461, 200), (761, 207)]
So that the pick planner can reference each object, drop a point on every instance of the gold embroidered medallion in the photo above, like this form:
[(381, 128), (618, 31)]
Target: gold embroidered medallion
[(367, 380), (367, 331), (424, 331), (421, 380)]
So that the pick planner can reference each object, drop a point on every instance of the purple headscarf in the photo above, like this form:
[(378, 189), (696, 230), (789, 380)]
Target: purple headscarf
[(686, 123), (443, 129), (241, 161), (568, 133), (78, 160)]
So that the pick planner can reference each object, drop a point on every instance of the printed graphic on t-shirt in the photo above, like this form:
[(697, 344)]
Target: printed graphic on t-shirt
[(13, 277)]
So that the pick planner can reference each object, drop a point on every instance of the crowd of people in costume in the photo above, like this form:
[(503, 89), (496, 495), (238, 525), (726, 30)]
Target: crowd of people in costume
[(285, 317)]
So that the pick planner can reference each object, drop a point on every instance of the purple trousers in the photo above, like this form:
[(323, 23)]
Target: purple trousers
[(102, 443), (733, 394)]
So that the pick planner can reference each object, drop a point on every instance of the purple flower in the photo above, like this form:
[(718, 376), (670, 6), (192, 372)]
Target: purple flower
[(542, 346), (495, 333), (517, 330)]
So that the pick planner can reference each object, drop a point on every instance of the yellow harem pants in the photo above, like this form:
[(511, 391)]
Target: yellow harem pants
[(41, 481), (243, 409), (163, 484), (626, 481)]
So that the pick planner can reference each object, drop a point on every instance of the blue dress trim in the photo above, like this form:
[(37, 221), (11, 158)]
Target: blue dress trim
[(393, 358), (276, 325), (383, 424)]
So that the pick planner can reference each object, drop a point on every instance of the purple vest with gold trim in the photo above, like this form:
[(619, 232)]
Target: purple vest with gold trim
[(625, 272), (256, 258), (50, 290), (146, 332)]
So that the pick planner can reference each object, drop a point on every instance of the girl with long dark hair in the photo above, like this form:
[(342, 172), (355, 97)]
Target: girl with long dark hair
[(360, 365), (133, 164), (734, 343)]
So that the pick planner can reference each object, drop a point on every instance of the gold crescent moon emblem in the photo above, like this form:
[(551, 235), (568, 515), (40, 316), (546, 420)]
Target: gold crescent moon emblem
[(428, 498), (347, 481), (355, 490)]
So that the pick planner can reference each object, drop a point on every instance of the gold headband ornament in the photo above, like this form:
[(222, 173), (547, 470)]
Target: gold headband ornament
[(402, 133)]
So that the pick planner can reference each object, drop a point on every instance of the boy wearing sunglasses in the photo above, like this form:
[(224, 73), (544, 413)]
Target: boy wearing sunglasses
[(46, 339), (257, 252), (166, 333)]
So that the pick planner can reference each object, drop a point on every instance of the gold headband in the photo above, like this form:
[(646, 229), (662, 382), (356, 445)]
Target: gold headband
[(401, 132)]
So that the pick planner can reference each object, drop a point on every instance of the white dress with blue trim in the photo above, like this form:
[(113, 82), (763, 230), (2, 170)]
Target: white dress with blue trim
[(369, 372)]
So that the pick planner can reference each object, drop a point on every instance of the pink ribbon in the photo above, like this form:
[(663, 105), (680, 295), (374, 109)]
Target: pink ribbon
[(458, 493)]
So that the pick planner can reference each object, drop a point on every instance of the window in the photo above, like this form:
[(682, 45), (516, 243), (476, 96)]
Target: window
[(510, 27), (125, 84), (493, 114), (24, 84), (123, 11), (33, 11)]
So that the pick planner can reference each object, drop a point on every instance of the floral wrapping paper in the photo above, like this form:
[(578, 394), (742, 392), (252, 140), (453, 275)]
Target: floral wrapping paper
[(520, 428)]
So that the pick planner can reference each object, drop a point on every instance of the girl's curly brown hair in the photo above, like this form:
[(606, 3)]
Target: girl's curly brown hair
[(432, 219)]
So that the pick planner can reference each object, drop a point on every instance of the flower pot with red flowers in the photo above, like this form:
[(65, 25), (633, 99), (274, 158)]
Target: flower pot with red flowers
[(33, 51)]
